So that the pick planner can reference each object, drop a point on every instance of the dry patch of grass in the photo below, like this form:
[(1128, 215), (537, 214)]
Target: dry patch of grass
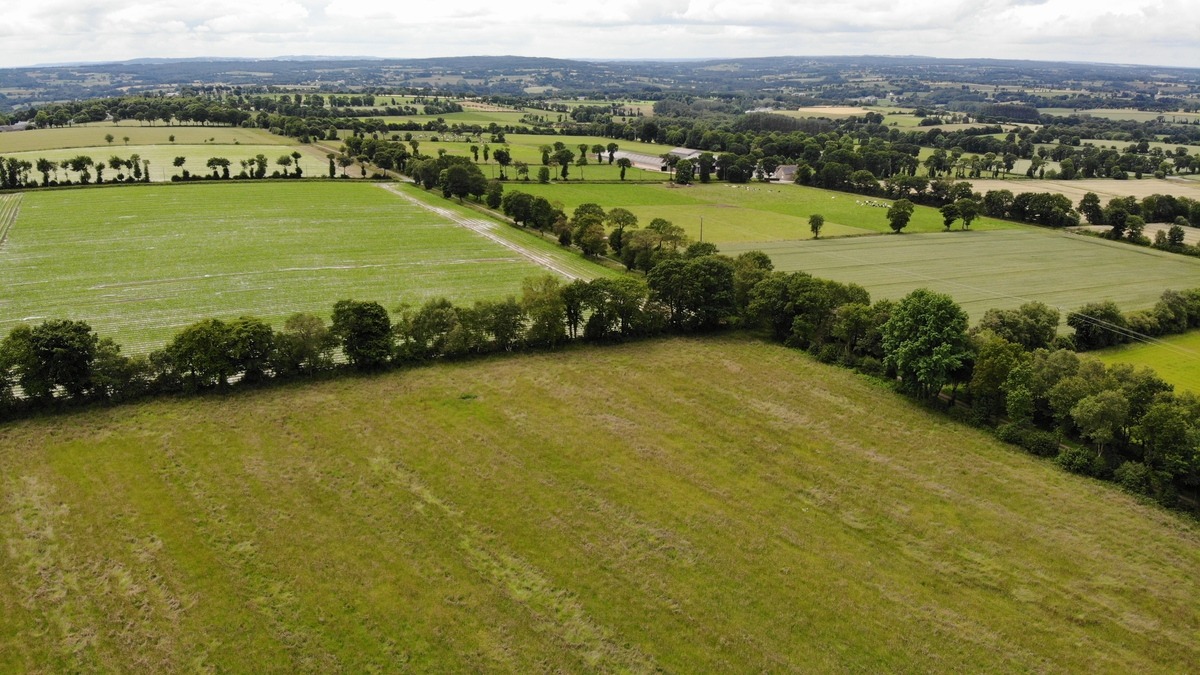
[(1104, 188)]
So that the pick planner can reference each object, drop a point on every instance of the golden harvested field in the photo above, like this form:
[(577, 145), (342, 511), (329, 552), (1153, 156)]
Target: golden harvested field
[(1104, 188)]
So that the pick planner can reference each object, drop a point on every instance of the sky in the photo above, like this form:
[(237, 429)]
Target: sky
[(1157, 32)]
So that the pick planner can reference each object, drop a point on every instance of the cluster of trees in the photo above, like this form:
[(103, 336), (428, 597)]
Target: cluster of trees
[(1154, 208), (1102, 324), (1142, 434), (596, 231), (143, 109)]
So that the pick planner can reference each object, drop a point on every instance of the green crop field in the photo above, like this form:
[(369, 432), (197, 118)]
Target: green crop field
[(162, 157), (92, 136), (752, 212), (1176, 358), (467, 117), (525, 148), (982, 270), (140, 262), (596, 510)]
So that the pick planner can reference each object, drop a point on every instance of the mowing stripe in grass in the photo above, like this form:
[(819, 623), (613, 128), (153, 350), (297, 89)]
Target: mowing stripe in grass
[(10, 207)]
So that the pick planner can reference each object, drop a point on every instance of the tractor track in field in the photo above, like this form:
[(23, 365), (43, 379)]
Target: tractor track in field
[(487, 228), (9, 210)]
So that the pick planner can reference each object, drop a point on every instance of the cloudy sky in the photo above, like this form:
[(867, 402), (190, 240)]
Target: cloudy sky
[(1163, 32)]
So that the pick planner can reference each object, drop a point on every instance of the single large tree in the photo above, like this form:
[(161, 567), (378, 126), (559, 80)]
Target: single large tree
[(815, 222), (925, 340), (364, 331), (899, 214)]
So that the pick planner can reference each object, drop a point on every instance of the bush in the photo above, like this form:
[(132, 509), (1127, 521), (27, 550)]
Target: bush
[(1133, 477), (869, 365), (1076, 459), (1009, 433), (829, 353), (1040, 443)]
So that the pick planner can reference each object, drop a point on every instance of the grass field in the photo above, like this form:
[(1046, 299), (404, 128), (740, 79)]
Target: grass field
[(600, 510), (524, 148), (982, 270), (1176, 358), (140, 262), (753, 212), (92, 136), (162, 158)]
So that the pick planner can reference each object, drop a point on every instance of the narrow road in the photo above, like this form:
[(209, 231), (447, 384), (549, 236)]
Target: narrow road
[(487, 228)]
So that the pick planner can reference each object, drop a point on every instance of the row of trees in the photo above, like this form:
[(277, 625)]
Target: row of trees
[(1012, 368), (254, 167), (17, 173)]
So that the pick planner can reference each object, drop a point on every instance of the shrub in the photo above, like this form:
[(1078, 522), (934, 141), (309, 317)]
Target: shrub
[(1133, 477), (1076, 459)]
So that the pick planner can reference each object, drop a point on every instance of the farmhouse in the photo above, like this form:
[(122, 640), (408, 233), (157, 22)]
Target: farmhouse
[(785, 173), (19, 126)]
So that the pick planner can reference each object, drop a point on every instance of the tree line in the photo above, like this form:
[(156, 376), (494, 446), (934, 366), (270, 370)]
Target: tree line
[(1011, 371)]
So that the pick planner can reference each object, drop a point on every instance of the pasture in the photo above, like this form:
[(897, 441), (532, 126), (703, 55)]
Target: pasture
[(92, 137), (140, 262), (610, 509), (982, 270), (162, 157), (750, 212), (1176, 358)]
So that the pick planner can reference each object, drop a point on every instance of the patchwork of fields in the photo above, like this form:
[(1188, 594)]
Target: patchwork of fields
[(147, 260), (992, 269), (620, 509)]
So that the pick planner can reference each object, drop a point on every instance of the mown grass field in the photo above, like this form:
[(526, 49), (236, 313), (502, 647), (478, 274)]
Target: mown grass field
[(982, 270), (751, 212), (92, 136), (1176, 358), (597, 510), (140, 262), (162, 157)]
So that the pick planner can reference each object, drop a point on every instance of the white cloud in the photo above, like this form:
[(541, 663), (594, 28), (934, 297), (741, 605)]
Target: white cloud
[(1157, 31)]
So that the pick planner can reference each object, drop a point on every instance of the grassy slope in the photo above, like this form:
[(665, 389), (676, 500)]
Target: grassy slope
[(1176, 358), (148, 260), (599, 510), (993, 269)]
